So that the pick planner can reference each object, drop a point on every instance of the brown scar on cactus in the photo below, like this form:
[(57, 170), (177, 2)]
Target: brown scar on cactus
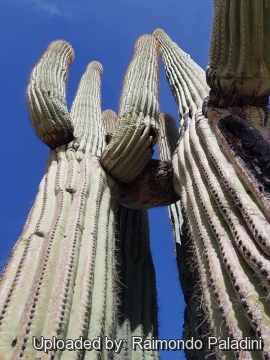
[(153, 187)]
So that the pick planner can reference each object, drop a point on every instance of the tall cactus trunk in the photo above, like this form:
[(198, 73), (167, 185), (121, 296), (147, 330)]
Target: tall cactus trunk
[(227, 223), (137, 301)]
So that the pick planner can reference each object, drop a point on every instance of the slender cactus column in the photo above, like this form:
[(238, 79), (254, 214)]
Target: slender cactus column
[(228, 229), (137, 283)]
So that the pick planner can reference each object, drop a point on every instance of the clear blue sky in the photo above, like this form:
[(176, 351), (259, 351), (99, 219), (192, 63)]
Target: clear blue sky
[(98, 30)]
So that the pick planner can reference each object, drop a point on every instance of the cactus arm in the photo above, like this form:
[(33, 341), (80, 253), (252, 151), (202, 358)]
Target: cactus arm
[(86, 105), (130, 148), (185, 77), (58, 297), (152, 187), (46, 95)]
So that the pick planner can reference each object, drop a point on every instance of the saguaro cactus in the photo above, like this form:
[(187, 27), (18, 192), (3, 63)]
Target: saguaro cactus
[(62, 279), (82, 268)]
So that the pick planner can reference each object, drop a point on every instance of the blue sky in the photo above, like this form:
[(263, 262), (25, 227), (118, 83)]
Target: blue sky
[(98, 30)]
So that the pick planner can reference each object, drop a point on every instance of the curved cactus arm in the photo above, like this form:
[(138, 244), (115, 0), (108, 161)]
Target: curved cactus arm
[(153, 186), (238, 71), (138, 307), (46, 95), (130, 148), (86, 112)]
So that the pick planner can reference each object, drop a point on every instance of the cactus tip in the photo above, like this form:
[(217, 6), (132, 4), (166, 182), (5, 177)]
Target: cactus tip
[(61, 46), (142, 39), (95, 65), (158, 32)]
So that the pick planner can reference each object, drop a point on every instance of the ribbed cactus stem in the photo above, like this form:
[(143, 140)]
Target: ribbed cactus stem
[(225, 222), (46, 95), (214, 218), (249, 206), (86, 113), (130, 148), (137, 285), (238, 71)]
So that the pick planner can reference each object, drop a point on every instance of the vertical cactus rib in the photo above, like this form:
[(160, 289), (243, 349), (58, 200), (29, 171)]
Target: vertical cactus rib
[(88, 297), (46, 95), (86, 113), (200, 305), (19, 273), (37, 302), (238, 71), (13, 266), (249, 206), (209, 210), (130, 148)]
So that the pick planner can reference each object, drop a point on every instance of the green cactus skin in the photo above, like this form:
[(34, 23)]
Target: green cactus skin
[(138, 110), (238, 71), (225, 223)]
